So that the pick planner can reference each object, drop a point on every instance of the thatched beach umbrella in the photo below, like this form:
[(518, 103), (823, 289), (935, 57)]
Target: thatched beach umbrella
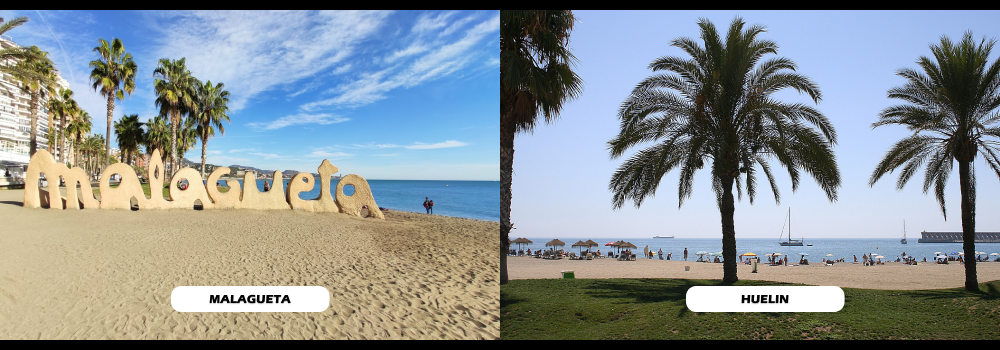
[(555, 243), (520, 241), (592, 243), (581, 244)]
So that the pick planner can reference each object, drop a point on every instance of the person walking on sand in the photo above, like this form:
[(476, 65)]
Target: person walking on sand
[(685, 254), (426, 206)]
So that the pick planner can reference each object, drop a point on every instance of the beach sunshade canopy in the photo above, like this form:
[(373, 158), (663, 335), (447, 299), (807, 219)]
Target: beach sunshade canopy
[(777, 254), (592, 243), (522, 240), (702, 252), (803, 254), (829, 255), (581, 244), (613, 244), (879, 257), (748, 254), (628, 245), (555, 242), (995, 254)]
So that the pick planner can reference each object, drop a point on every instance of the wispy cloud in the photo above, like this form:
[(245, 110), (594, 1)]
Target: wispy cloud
[(299, 119), (256, 51), (422, 60), (446, 144), (321, 153), (265, 155)]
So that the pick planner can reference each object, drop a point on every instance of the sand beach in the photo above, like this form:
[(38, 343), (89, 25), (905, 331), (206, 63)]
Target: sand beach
[(108, 274), (892, 275)]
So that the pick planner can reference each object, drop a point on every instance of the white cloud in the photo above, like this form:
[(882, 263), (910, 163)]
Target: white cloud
[(299, 119), (253, 52), (320, 153), (430, 61), (265, 155), (446, 144)]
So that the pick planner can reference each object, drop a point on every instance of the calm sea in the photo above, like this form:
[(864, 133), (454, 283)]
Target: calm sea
[(465, 199), (839, 248)]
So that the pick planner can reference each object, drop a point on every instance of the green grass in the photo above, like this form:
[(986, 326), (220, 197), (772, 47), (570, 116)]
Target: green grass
[(656, 309)]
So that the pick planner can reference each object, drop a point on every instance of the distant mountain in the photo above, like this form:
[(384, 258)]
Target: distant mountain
[(235, 168)]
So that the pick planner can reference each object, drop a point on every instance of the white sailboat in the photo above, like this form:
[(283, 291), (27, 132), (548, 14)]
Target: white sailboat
[(903, 241), (790, 242)]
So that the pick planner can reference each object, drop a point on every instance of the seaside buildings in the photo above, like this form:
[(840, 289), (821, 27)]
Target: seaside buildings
[(15, 118), (956, 237)]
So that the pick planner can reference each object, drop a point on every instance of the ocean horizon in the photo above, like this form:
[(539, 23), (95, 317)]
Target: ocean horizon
[(468, 199), (839, 248)]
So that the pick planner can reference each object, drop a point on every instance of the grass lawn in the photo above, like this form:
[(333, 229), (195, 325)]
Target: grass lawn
[(656, 309)]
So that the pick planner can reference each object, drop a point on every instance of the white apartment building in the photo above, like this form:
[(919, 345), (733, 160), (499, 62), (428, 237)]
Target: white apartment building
[(15, 117)]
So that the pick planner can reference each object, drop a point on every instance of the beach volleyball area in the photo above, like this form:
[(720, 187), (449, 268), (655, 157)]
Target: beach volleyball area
[(109, 274)]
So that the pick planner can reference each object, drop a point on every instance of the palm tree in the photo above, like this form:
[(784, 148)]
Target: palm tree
[(212, 110), (724, 114), (130, 136), (157, 136), (77, 127), (61, 105), (114, 75), (187, 136), (535, 78), (175, 93), (18, 53), (36, 76), (93, 150), (954, 103)]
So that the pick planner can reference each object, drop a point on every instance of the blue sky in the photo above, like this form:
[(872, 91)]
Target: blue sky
[(562, 170), (385, 95)]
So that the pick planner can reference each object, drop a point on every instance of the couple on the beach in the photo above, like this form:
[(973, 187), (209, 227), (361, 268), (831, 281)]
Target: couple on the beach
[(429, 205)]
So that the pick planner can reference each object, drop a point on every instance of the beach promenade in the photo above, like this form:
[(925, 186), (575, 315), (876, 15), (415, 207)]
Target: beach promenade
[(109, 274), (892, 275)]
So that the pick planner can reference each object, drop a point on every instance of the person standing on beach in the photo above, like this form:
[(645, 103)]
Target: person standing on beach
[(430, 206), (685, 254), (426, 206), (267, 186)]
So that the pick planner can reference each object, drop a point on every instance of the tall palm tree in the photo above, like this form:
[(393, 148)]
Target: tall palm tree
[(130, 136), (951, 110), (175, 94), (18, 53), (114, 75), (60, 106), (157, 137), (38, 83), (535, 78), (212, 109), (723, 117), (94, 152), (77, 127), (187, 136)]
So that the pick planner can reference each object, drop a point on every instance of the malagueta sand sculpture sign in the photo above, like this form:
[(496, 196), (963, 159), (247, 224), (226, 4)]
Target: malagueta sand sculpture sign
[(247, 197)]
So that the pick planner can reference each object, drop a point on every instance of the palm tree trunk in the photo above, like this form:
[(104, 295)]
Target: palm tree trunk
[(968, 224), (203, 149), (506, 196), (173, 143), (107, 137), (727, 208), (62, 139), (32, 141), (51, 139)]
